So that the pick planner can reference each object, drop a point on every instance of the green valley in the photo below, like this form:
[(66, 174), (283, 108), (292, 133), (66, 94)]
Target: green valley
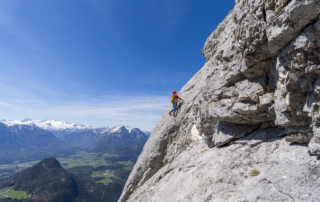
[(80, 160), (103, 173), (49, 181), (87, 173)]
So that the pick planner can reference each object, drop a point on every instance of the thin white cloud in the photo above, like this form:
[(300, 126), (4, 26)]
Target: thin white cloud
[(41, 88), (141, 111), (30, 101), (6, 104), (141, 108)]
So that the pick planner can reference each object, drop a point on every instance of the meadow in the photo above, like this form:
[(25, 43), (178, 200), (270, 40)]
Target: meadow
[(7, 191)]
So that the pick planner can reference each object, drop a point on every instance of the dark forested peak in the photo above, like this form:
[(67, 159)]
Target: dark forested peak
[(46, 167), (46, 170), (49, 163), (48, 181)]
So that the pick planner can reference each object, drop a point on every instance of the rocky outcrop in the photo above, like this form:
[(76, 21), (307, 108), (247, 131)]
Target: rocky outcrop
[(249, 129)]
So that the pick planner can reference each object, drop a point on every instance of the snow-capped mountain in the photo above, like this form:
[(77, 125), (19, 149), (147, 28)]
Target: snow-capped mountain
[(147, 132), (63, 128), (120, 137), (28, 139), (29, 142), (107, 139), (58, 128)]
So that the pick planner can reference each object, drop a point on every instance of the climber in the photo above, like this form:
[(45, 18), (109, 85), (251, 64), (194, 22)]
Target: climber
[(174, 100)]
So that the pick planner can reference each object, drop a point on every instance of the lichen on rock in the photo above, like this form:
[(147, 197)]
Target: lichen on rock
[(255, 105)]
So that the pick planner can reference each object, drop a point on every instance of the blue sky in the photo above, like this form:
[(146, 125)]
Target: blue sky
[(100, 62)]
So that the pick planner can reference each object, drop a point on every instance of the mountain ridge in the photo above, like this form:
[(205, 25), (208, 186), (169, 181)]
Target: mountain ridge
[(25, 143), (106, 140), (58, 128)]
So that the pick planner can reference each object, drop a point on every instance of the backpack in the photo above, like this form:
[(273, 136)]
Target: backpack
[(173, 98)]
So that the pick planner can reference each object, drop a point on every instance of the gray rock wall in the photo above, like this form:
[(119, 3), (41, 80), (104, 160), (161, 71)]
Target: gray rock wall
[(249, 128)]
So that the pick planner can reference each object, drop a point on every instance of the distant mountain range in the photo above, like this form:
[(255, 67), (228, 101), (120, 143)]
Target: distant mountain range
[(58, 128), (26, 140), (107, 139), (29, 142)]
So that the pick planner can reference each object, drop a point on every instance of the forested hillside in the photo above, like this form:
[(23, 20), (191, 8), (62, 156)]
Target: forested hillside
[(48, 181)]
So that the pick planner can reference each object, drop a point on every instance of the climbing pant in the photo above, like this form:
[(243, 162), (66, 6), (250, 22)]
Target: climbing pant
[(174, 108)]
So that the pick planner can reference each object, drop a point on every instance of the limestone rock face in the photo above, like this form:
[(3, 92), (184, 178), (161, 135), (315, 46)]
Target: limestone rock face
[(249, 129)]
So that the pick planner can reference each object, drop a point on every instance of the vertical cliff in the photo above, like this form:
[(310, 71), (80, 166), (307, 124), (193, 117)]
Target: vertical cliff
[(249, 129)]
